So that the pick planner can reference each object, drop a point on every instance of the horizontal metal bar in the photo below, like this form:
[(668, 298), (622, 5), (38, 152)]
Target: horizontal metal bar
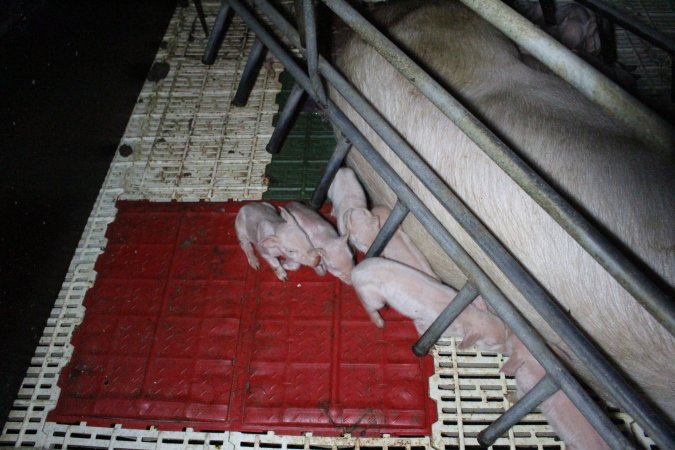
[(532, 398), (491, 293), (464, 297), (387, 230), (646, 292), (634, 26)]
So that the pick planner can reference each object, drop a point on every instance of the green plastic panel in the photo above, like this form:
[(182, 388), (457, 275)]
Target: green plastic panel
[(295, 170)]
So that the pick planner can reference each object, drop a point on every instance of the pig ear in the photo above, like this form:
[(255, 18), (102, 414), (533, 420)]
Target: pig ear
[(347, 217), (593, 37), (375, 220), (269, 242), (480, 304), (470, 338)]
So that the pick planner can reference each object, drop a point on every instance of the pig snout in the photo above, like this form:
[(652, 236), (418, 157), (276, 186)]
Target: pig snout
[(311, 258)]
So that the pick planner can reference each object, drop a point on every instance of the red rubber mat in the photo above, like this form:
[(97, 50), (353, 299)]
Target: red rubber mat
[(180, 332)]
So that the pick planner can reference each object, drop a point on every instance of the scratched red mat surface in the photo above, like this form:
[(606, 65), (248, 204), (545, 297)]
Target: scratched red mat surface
[(180, 332)]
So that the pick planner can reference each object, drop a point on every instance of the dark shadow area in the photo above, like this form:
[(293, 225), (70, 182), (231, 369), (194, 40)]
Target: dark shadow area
[(70, 73)]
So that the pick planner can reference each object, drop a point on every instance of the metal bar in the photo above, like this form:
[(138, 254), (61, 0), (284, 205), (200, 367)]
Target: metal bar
[(591, 83), (603, 371), (217, 34), (285, 120), (332, 166), (202, 17), (298, 7), (464, 297), (388, 229), (533, 398), (634, 26), (491, 293), (646, 292), (312, 53), (250, 74)]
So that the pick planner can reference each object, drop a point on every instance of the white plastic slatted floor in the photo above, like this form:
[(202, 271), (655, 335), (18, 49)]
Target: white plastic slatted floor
[(654, 65), (187, 143)]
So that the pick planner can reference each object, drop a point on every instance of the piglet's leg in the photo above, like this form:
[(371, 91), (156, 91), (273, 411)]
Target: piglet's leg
[(247, 247), (276, 266), (320, 269), (372, 300), (291, 265)]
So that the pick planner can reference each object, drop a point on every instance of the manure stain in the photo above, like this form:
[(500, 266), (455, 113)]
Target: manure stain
[(158, 71)]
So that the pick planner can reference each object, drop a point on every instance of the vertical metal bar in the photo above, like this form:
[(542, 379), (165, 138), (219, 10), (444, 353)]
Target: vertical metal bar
[(548, 10), (202, 16), (464, 297), (533, 398), (217, 34), (286, 119), (387, 230), (312, 53), (341, 149), (250, 74)]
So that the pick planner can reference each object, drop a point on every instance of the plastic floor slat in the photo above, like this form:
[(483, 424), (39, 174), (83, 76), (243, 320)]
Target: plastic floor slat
[(181, 332)]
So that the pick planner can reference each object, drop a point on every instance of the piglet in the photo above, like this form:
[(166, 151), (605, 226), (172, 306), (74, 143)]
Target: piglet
[(576, 27), (562, 415), (336, 257), (416, 295), (363, 226), (274, 236), (345, 193)]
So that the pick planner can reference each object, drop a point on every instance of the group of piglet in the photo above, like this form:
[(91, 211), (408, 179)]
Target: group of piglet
[(402, 279)]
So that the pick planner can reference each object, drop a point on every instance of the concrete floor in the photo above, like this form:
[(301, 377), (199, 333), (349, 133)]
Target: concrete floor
[(70, 73)]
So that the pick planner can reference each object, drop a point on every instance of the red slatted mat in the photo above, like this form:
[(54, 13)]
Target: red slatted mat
[(180, 332)]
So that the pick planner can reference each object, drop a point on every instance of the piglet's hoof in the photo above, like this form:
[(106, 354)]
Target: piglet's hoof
[(281, 275)]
